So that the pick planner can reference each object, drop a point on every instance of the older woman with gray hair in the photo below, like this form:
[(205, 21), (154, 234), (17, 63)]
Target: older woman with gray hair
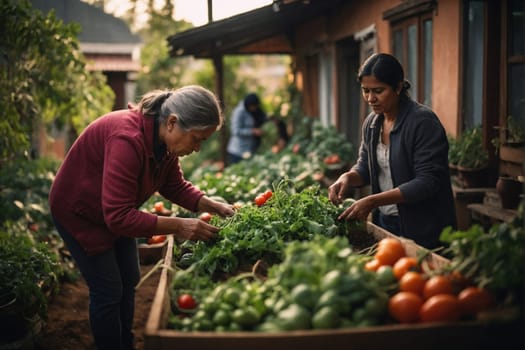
[(117, 163)]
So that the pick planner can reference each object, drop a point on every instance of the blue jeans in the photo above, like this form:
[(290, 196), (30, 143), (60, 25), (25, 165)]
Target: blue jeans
[(389, 223), (111, 278)]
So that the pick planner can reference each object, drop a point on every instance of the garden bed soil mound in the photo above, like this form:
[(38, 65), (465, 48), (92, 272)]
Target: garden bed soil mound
[(67, 326)]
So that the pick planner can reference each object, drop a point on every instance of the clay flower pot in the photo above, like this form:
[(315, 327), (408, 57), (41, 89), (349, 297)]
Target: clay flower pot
[(471, 178), (509, 190)]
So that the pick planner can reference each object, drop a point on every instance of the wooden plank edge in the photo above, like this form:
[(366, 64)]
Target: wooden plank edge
[(155, 321)]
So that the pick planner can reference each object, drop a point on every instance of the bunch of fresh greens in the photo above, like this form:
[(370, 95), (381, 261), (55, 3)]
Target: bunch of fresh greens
[(260, 232), (493, 259)]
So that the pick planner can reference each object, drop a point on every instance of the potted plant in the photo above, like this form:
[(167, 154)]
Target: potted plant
[(453, 154), (513, 135), (28, 272), (509, 143), (468, 155), (509, 189)]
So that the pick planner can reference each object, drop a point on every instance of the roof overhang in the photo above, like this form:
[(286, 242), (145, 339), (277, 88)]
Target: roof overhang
[(266, 30)]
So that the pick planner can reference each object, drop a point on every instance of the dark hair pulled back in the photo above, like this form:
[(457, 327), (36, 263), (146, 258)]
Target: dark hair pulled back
[(387, 69)]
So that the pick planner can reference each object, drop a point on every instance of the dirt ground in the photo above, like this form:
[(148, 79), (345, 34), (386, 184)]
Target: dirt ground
[(67, 326)]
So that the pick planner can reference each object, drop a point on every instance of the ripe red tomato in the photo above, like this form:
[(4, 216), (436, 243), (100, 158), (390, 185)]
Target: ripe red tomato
[(205, 216), (440, 308), (405, 306), (186, 301), (389, 251), (156, 239), (260, 199), (267, 194), (372, 265), (437, 284), (473, 300), (405, 264), (412, 281), (332, 159), (159, 206)]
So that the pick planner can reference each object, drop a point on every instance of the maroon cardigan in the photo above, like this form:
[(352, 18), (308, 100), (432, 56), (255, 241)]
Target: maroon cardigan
[(108, 173)]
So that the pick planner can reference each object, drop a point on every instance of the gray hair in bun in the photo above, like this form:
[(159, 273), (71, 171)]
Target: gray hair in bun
[(195, 107)]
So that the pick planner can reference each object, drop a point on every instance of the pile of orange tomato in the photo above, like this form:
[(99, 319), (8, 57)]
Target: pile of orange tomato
[(427, 295)]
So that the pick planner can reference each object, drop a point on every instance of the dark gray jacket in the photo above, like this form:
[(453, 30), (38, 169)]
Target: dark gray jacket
[(419, 167)]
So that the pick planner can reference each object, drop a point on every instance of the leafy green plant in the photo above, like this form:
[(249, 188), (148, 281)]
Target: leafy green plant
[(468, 151), (28, 269), (260, 232), (242, 181), (24, 191), (43, 78), (493, 259), (453, 150), (513, 133)]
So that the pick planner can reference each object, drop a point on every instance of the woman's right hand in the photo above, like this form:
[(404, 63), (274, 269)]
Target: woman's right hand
[(187, 228), (337, 190)]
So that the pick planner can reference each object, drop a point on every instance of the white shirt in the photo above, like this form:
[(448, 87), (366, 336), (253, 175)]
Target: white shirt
[(385, 178)]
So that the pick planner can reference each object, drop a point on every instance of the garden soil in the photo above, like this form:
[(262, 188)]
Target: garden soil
[(67, 326)]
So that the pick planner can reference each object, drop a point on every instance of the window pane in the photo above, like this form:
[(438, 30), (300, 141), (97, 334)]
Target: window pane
[(516, 96), (517, 28), (398, 45), (411, 69), (473, 65), (427, 69)]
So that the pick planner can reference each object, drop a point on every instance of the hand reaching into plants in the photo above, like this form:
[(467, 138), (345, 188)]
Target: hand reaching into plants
[(337, 191), (207, 204), (193, 229), (359, 210)]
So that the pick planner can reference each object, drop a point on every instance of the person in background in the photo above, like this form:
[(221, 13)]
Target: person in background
[(403, 156), (245, 129), (115, 165)]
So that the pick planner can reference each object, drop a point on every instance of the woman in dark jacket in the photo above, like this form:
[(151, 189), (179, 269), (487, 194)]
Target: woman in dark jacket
[(403, 156)]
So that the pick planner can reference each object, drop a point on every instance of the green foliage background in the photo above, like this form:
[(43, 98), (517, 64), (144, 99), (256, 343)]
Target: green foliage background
[(43, 78)]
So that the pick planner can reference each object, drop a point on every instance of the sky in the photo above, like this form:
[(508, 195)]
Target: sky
[(196, 11)]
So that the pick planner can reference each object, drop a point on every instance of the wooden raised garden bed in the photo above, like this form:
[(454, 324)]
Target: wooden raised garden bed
[(152, 253), (459, 335)]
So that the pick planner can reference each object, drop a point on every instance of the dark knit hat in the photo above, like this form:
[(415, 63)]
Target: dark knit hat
[(251, 99)]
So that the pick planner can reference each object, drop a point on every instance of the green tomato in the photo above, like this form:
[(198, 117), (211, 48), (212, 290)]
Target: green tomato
[(269, 327), (385, 275), (326, 318), (231, 296), (332, 280), (304, 295), (333, 299), (376, 306), (246, 317), (330, 297), (294, 317), (221, 318)]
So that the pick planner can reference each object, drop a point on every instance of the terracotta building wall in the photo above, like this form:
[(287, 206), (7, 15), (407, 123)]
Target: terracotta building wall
[(447, 64), (320, 35)]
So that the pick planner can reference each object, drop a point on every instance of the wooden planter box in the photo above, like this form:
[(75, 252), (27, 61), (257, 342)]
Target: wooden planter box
[(152, 253), (461, 335), (512, 161)]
